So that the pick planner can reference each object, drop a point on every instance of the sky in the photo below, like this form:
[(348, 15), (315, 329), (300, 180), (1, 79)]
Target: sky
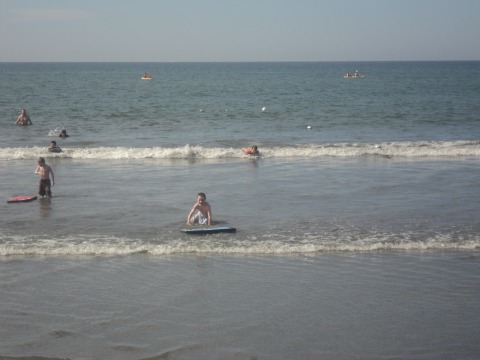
[(238, 30)]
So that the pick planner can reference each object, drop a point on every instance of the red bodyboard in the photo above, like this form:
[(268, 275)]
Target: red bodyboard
[(23, 198)]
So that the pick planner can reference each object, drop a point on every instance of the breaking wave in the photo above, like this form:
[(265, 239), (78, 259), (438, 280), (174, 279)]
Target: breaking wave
[(396, 149), (268, 244)]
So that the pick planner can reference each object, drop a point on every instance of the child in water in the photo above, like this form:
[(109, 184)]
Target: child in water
[(45, 172), (252, 151), (201, 212), (63, 134), (53, 147)]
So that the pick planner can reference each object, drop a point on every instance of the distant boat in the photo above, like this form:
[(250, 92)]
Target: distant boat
[(147, 76), (356, 75), (353, 76)]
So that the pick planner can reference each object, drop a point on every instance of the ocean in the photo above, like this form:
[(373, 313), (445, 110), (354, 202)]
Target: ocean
[(358, 233)]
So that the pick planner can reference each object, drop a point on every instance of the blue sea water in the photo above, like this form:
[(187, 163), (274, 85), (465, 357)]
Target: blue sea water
[(360, 176)]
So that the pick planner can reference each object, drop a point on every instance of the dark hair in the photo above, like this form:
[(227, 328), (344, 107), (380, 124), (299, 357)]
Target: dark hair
[(202, 195), (42, 160), (53, 142)]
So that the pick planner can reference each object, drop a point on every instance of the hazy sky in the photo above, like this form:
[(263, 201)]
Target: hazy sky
[(239, 30)]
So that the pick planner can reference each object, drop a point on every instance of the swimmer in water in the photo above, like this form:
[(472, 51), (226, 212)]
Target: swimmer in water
[(23, 119)]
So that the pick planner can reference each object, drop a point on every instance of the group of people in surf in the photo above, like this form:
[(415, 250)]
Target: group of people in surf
[(24, 120), (201, 212), (44, 170), (53, 144)]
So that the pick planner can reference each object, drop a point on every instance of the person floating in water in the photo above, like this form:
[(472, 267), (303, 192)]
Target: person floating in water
[(23, 119), (251, 151), (45, 171), (63, 134), (201, 212), (53, 147)]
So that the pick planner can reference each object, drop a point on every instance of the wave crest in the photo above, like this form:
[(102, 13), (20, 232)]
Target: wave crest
[(405, 149)]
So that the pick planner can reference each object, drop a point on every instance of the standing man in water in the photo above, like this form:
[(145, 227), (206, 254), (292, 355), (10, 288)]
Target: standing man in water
[(45, 186), (23, 119)]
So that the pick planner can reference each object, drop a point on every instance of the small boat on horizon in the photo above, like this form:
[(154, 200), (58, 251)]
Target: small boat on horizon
[(355, 75)]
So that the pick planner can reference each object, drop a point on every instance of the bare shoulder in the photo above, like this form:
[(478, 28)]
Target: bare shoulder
[(196, 206)]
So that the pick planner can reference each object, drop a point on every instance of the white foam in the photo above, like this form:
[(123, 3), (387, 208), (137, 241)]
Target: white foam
[(406, 149), (275, 244)]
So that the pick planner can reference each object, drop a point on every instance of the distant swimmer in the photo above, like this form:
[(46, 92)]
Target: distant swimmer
[(53, 147), (251, 151), (45, 171), (23, 119), (63, 134), (201, 212)]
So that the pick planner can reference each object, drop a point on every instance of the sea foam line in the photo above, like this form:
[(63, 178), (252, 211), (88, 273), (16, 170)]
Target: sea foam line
[(405, 149), (91, 245)]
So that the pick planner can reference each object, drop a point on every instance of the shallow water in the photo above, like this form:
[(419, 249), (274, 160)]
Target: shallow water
[(277, 206)]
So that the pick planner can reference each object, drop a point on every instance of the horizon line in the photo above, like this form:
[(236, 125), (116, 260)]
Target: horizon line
[(232, 61)]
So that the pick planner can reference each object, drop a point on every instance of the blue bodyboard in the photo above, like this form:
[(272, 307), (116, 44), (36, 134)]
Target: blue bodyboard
[(209, 230)]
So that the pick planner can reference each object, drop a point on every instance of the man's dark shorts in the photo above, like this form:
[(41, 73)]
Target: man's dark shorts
[(44, 184)]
